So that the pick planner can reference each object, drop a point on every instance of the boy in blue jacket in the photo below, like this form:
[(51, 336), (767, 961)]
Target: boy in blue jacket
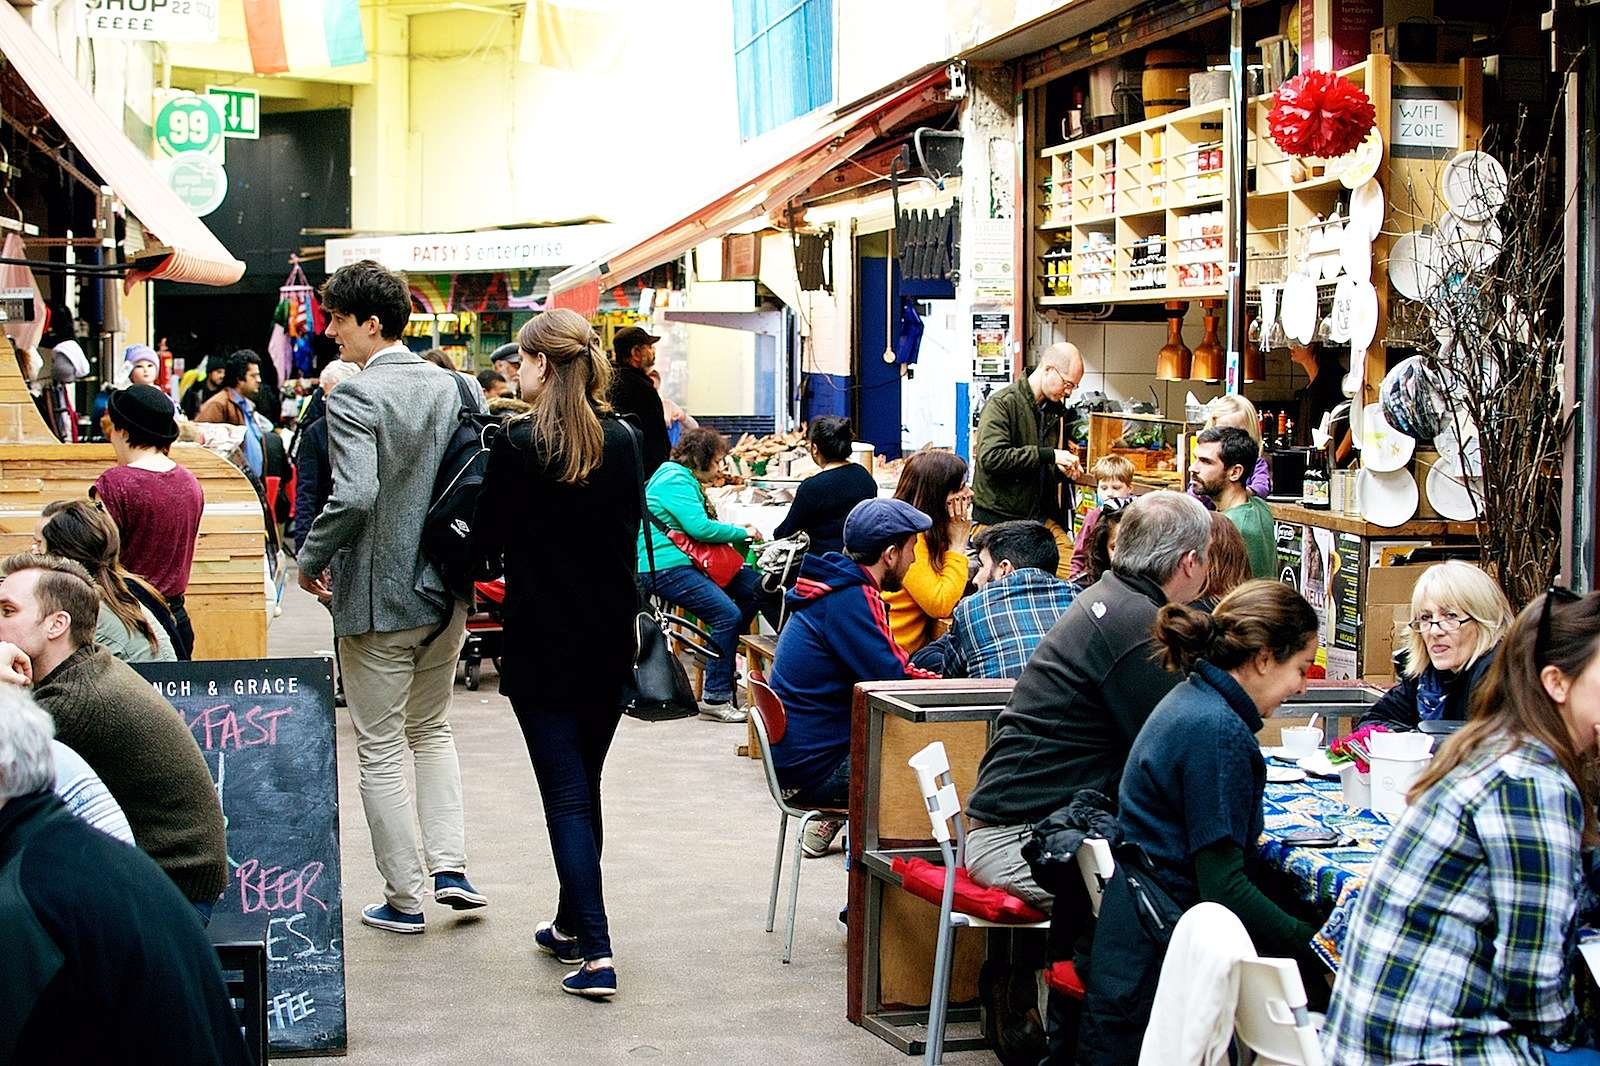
[(838, 634)]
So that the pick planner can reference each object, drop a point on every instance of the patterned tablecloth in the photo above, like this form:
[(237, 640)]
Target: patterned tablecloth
[(1330, 877)]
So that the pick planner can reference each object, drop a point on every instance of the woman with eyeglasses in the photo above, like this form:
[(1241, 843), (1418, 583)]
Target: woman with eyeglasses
[(1462, 946), (1458, 615)]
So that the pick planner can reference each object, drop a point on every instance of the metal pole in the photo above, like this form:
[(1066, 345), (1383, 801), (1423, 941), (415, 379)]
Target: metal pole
[(1582, 338), (1241, 195)]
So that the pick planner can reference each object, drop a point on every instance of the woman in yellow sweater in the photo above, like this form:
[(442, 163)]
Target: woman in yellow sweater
[(935, 483)]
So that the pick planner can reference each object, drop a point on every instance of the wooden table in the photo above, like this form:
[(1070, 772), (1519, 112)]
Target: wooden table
[(758, 649), (892, 933)]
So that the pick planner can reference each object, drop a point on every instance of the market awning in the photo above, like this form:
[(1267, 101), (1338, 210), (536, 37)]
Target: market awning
[(765, 191), (186, 250)]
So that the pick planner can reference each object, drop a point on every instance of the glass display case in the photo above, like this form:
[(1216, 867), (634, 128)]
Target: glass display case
[(1157, 446)]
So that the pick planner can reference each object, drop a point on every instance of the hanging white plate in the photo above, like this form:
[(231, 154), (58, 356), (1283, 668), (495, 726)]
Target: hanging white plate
[(1366, 208), (1412, 272), (1352, 379), (1339, 314), (1363, 163), (1363, 314), (1299, 314), (1449, 493), (1383, 448), (1467, 245), (1357, 414), (1474, 185), (1355, 252), (1459, 441), (1387, 498)]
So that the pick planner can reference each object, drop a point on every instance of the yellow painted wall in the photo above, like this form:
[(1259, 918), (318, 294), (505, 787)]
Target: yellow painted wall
[(722, 371), (497, 141)]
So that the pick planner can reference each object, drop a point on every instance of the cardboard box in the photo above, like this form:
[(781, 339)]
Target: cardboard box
[(1335, 34), (1423, 42), (1387, 610)]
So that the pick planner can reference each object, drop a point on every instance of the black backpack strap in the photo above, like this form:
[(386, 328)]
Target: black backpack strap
[(469, 402)]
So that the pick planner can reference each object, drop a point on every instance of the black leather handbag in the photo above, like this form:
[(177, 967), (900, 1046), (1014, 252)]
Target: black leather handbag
[(659, 690)]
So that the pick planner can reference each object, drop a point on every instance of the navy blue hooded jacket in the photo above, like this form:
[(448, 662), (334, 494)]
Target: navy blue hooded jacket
[(837, 634)]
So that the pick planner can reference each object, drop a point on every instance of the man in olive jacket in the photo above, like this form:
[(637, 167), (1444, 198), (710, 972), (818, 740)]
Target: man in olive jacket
[(1023, 469)]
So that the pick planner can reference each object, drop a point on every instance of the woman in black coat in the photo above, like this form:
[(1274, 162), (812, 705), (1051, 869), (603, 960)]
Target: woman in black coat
[(560, 505)]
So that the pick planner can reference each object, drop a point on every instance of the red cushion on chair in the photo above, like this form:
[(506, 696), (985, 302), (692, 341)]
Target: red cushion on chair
[(925, 880), (1063, 977)]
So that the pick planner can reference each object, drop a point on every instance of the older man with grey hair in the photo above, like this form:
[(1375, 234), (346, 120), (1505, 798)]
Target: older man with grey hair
[(1087, 690), (93, 929), (1022, 467)]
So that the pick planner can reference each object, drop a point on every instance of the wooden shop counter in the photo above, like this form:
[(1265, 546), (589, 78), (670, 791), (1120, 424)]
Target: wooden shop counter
[(892, 933)]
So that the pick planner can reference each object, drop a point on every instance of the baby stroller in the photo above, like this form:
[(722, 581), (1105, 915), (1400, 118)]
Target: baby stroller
[(485, 629)]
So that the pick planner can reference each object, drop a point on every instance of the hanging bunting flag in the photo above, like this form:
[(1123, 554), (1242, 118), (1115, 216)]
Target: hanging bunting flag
[(290, 35), (577, 35)]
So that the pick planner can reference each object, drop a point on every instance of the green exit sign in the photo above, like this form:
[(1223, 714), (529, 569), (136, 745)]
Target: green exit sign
[(241, 111)]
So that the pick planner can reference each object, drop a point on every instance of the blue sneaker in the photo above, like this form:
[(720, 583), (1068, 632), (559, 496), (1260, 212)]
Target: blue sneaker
[(454, 890), (564, 948), (383, 916), (591, 984)]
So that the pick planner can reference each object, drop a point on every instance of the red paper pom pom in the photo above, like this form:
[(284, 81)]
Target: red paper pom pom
[(1320, 114)]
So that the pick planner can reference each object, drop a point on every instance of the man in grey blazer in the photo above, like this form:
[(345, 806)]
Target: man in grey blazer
[(399, 632)]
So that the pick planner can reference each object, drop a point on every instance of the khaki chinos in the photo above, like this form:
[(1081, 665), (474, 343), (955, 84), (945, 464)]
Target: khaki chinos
[(398, 691)]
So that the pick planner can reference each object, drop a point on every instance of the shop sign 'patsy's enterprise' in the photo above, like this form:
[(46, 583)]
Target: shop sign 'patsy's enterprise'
[(149, 20), (484, 250)]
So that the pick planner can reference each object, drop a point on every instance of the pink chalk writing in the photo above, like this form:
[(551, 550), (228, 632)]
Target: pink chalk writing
[(222, 728), (277, 888)]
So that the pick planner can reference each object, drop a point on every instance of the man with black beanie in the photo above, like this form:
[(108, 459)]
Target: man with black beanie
[(204, 388), (632, 392)]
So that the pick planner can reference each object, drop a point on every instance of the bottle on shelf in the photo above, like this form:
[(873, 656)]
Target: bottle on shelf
[(1316, 490)]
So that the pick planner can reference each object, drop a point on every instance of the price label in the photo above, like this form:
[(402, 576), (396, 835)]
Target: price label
[(189, 123)]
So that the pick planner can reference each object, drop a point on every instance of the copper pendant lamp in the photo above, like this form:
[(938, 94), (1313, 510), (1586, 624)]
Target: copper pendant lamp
[(1208, 363), (1172, 362)]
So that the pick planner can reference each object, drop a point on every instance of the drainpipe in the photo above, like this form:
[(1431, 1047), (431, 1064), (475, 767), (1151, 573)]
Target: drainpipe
[(1240, 197)]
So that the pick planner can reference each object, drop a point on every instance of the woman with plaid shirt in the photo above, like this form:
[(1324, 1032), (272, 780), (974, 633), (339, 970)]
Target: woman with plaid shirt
[(1463, 942)]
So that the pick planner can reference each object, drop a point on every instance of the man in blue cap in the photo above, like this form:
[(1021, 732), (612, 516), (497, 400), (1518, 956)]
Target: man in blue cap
[(838, 634)]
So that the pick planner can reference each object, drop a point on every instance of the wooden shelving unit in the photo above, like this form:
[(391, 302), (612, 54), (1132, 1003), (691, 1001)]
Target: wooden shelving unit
[(1135, 214), (1102, 200)]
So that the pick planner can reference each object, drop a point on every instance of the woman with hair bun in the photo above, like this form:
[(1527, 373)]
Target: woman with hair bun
[(824, 499), (1190, 800), (560, 504)]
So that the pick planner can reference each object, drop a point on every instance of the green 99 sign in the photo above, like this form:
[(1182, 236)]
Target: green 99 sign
[(188, 124)]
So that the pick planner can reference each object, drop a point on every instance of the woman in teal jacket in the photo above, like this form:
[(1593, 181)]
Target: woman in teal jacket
[(677, 501)]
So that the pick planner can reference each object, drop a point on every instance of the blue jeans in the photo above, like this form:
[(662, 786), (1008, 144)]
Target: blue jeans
[(831, 791), (203, 909), (726, 612), (568, 746), (1578, 1056)]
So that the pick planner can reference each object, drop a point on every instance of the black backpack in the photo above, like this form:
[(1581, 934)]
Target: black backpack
[(447, 529)]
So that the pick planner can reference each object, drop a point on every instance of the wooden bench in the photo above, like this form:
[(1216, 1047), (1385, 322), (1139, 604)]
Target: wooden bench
[(758, 651)]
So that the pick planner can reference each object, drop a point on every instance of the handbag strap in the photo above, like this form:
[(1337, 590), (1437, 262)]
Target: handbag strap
[(644, 506)]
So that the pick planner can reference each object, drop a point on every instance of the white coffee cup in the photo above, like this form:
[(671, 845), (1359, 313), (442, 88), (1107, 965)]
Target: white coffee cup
[(1300, 740)]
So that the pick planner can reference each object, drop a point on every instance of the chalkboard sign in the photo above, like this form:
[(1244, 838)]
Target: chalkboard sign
[(266, 728)]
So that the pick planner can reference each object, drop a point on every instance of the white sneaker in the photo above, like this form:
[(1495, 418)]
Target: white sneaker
[(722, 712), (819, 836)]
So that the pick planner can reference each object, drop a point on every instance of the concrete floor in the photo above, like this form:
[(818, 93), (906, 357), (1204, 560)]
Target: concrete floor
[(690, 831)]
